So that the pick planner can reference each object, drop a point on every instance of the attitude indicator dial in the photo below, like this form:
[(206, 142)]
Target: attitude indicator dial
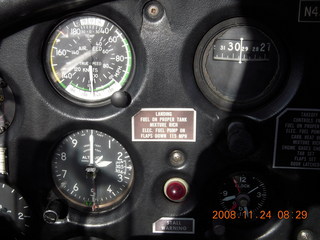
[(92, 170)]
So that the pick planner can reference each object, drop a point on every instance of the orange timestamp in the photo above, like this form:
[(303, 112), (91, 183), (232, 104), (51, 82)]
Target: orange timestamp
[(262, 215)]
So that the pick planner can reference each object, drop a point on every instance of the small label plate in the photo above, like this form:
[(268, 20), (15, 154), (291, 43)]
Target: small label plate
[(297, 139), (164, 125), (174, 225), (309, 11)]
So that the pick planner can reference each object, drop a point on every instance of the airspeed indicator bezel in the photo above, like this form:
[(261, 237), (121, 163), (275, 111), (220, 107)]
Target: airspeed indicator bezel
[(100, 55)]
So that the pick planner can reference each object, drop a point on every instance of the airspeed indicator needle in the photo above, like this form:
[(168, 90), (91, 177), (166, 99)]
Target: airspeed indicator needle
[(91, 78)]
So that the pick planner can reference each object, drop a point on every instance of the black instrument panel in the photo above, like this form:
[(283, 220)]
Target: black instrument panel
[(160, 120)]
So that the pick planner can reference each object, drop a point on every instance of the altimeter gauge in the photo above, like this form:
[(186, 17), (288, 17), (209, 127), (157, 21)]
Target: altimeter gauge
[(88, 58), (92, 170)]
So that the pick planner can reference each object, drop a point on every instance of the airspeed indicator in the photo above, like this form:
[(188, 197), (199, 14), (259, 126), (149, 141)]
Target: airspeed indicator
[(89, 58)]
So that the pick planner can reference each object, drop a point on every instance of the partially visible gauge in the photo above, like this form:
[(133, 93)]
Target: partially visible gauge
[(88, 58), (14, 213), (92, 170), (245, 193), (7, 106), (238, 65)]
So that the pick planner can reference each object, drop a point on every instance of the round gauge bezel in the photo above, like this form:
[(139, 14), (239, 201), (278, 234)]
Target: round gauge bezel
[(107, 207), (19, 210), (207, 87), (50, 75), (262, 207)]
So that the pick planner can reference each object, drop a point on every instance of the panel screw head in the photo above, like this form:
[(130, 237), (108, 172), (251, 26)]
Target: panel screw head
[(177, 158), (154, 11)]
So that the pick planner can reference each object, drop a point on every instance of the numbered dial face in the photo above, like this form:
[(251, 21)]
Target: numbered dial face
[(14, 213), (89, 58), (244, 193), (237, 65), (92, 170)]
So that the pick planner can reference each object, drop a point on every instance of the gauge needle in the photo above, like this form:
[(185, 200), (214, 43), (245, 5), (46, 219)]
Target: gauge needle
[(236, 185), (91, 78), (253, 190), (91, 148), (234, 206), (69, 66), (99, 159), (94, 195), (229, 198), (246, 211), (101, 163)]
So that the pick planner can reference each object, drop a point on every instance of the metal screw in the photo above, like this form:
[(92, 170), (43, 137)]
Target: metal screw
[(305, 235), (177, 158), (153, 11)]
